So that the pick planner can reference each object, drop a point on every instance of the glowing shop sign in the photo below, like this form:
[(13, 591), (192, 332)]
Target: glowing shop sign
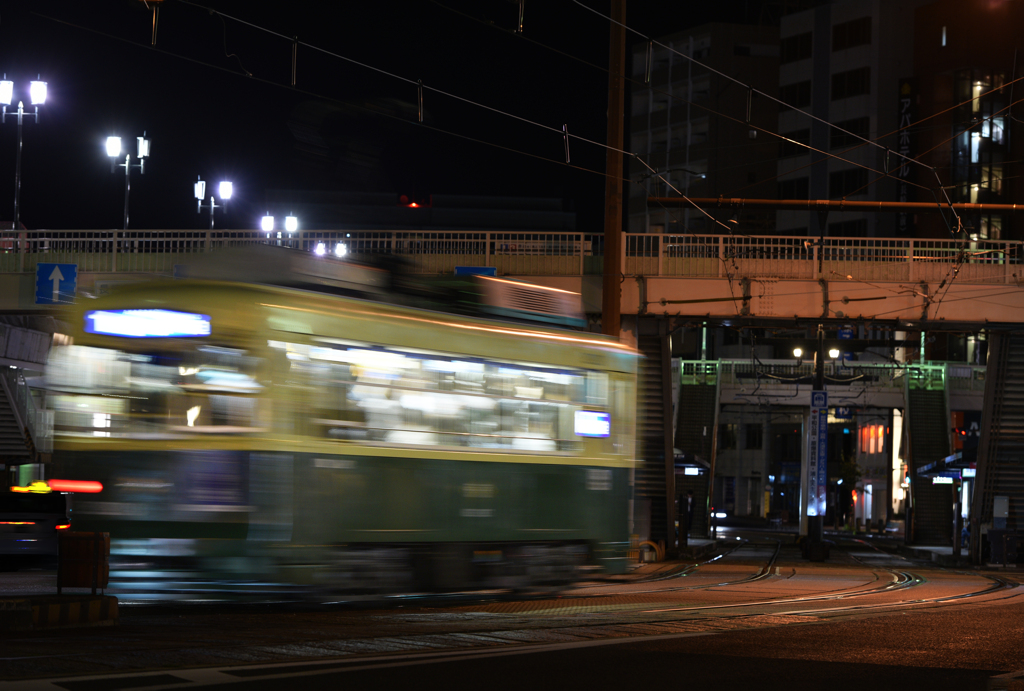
[(591, 423), (85, 486), (147, 323)]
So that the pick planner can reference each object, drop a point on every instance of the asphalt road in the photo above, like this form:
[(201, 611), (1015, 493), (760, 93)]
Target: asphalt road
[(862, 620)]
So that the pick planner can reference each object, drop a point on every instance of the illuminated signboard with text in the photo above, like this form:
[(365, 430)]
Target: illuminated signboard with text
[(147, 323)]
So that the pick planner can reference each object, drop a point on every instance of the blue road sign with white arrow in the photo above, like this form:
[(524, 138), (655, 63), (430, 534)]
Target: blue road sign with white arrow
[(56, 283)]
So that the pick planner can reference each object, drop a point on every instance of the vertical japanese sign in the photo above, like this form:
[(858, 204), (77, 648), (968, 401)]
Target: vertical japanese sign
[(846, 333), (905, 146), (817, 454)]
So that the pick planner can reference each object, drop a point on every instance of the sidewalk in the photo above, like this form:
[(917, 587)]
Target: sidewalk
[(943, 556)]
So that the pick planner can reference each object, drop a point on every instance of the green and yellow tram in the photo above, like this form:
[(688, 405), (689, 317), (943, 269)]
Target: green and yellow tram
[(314, 438)]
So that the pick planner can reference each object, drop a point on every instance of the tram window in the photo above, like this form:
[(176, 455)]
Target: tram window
[(387, 396), (80, 368), (597, 388), (106, 392)]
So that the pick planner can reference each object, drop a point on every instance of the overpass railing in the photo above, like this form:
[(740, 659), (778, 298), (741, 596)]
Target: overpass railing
[(551, 254)]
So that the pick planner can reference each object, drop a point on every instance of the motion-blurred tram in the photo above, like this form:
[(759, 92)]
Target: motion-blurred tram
[(297, 436)]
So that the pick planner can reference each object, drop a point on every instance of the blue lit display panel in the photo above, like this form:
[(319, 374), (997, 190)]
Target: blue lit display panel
[(147, 323), (592, 423)]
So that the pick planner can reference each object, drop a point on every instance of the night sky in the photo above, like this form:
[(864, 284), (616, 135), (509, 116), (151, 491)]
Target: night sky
[(215, 97)]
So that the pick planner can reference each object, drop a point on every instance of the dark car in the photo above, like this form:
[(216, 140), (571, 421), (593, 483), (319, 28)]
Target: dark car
[(29, 526)]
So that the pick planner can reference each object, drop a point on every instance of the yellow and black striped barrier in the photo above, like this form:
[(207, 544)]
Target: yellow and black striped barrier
[(62, 611)]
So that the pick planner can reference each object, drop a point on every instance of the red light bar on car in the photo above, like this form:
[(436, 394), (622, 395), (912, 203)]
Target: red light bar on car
[(83, 486), (64, 526)]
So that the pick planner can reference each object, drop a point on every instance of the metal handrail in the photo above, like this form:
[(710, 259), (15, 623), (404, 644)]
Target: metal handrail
[(24, 407), (542, 253)]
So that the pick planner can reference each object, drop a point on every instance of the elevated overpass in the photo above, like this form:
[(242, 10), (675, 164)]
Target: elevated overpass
[(668, 281), (926, 283)]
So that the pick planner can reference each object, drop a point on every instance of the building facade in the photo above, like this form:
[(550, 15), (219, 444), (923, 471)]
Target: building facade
[(696, 131), (841, 66), (965, 64)]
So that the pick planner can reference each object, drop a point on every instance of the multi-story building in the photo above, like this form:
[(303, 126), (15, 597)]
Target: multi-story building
[(966, 78), (841, 66), (695, 124)]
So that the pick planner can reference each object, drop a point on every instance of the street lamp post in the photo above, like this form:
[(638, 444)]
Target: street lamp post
[(114, 151), (37, 97), (225, 189)]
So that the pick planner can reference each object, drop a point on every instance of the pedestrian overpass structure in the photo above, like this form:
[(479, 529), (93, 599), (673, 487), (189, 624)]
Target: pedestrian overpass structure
[(692, 276), (910, 286)]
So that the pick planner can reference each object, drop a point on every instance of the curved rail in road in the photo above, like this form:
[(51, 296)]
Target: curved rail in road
[(749, 586)]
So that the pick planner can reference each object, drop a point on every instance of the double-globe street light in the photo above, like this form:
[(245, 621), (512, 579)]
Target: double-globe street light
[(114, 151), (37, 97), (224, 189), (291, 224)]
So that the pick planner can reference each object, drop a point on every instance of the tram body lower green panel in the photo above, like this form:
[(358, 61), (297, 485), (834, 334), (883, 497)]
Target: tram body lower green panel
[(293, 500)]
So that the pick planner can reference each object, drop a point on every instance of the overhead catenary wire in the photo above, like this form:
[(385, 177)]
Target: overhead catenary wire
[(477, 140), (407, 80), (307, 92), (753, 90), (440, 130), (566, 135), (421, 87)]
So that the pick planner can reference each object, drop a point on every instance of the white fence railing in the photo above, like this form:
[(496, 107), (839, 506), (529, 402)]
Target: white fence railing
[(557, 254), (879, 259)]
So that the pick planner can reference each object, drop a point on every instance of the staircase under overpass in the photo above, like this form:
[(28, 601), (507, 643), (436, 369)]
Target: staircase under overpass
[(695, 436), (17, 445), (1000, 463), (654, 481), (23, 436), (927, 422)]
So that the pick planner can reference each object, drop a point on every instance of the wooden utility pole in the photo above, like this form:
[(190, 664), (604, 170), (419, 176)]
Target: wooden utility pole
[(611, 297)]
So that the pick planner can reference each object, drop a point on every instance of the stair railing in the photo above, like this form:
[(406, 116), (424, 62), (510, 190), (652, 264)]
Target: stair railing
[(26, 413)]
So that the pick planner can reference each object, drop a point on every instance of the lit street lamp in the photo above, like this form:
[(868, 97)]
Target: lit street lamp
[(291, 224), (224, 189), (37, 97), (114, 151)]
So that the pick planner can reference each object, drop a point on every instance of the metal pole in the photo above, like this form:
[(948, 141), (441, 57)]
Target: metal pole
[(611, 300), (816, 524), (127, 185), (17, 169)]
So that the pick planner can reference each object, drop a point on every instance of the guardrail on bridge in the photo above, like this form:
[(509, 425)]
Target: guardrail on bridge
[(550, 254)]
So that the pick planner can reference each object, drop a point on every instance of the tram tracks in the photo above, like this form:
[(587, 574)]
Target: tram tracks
[(462, 631), (883, 583), (402, 638), (640, 610)]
